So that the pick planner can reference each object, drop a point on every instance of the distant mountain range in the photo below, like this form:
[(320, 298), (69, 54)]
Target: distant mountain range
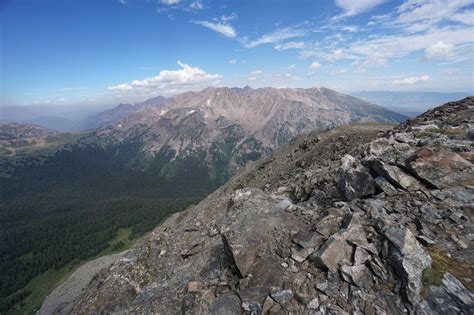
[(409, 103), (224, 128)]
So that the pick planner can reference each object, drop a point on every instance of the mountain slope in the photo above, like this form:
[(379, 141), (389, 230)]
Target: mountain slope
[(357, 219), (227, 127), (118, 112)]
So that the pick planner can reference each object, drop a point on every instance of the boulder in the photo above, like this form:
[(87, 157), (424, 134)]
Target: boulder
[(395, 175), (334, 252), (409, 260), (384, 185), (354, 180), (442, 168), (360, 275), (283, 296), (450, 298)]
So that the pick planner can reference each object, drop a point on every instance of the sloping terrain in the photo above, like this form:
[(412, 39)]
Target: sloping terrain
[(358, 219), (224, 128)]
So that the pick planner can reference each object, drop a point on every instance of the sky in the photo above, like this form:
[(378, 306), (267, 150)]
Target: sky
[(96, 52)]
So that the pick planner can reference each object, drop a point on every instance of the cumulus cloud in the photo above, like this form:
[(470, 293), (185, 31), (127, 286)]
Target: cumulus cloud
[(354, 7), (232, 61), (315, 65), (412, 80), (171, 81), (291, 67), (276, 37), (439, 50)]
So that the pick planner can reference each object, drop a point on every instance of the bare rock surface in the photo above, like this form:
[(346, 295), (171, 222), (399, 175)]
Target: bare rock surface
[(63, 297), (362, 219)]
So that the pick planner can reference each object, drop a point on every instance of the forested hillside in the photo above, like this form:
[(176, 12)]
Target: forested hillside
[(70, 206)]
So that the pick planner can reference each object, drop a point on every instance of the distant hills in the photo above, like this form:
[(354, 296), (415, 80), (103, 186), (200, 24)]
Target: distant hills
[(409, 103)]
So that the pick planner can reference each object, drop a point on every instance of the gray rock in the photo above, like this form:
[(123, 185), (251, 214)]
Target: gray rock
[(226, 305), (334, 252), (329, 286), (442, 168), (283, 296), (354, 180), (450, 298), (359, 275), (385, 186), (409, 259)]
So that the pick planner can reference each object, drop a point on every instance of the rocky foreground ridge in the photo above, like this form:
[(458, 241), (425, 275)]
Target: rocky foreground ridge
[(365, 219)]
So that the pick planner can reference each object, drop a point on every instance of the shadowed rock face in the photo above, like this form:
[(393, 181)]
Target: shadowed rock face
[(342, 221)]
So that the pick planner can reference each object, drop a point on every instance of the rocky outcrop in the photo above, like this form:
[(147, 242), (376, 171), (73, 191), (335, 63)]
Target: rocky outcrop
[(365, 219)]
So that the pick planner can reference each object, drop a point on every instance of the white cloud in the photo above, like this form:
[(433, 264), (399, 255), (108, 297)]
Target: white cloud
[(171, 81), (340, 71), (412, 80), (276, 36), (291, 67), (256, 72), (376, 51), (252, 78), (232, 61), (466, 17), (315, 65), (290, 45), (196, 5), (354, 7), (439, 50), (220, 27), (124, 2), (350, 28), (338, 54), (170, 2)]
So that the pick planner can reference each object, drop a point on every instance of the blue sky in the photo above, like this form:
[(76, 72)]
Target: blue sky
[(108, 51)]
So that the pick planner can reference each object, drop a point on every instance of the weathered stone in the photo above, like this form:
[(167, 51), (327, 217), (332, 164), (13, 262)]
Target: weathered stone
[(226, 305), (328, 225), (195, 286), (267, 305), (329, 286), (308, 239), (354, 181), (313, 304), (301, 255), (450, 298), (359, 275), (335, 251), (361, 256), (409, 259), (253, 294), (442, 168), (283, 296), (395, 175), (384, 185)]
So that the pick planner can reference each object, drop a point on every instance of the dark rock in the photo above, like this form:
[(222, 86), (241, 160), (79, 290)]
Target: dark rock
[(359, 275), (226, 305), (383, 184), (282, 297), (331, 285)]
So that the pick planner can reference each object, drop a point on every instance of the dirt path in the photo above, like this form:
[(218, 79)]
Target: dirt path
[(64, 295)]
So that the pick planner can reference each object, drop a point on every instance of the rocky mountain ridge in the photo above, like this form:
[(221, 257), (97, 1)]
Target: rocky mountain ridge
[(224, 128), (363, 219)]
